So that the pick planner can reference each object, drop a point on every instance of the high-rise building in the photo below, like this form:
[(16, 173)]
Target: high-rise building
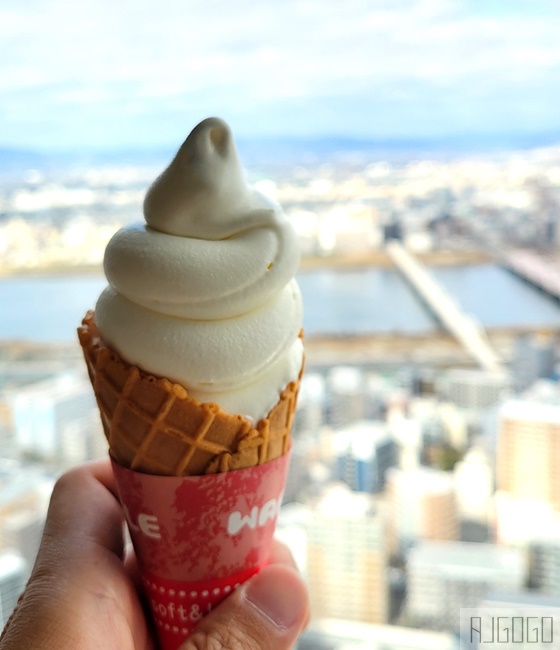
[(532, 620), (545, 565), (408, 437), (345, 396), (292, 529), (310, 413), (364, 453), (347, 557), (528, 451), (534, 357), (544, 391), (455, 424), (474, 486), (21, 531), (422, 506), (24, 499), (83, 439), (475, 390), (13, 574), (426, 412), (520, 522), (377, 396), (53, 417), (444, 577)]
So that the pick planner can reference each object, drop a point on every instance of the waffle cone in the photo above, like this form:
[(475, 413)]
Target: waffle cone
[(154, 426)]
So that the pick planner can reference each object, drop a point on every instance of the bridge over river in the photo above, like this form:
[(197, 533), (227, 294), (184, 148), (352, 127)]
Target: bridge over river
[(465, 329)]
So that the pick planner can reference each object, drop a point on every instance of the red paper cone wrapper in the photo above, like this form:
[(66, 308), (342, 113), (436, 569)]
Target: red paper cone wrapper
[(197, 538)]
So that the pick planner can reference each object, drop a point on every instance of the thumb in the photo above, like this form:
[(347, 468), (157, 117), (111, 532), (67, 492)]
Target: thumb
[(266, 613)]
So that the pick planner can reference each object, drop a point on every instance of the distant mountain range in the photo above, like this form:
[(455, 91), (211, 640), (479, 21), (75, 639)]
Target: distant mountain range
[(284, 151)]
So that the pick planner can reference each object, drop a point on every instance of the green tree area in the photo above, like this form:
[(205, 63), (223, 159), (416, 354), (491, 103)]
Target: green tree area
[(443, 456)]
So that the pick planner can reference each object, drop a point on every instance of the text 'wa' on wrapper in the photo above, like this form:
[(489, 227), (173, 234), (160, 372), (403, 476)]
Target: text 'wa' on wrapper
[(197, 538)]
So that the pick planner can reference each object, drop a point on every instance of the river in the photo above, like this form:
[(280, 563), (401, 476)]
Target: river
[(338, 302)]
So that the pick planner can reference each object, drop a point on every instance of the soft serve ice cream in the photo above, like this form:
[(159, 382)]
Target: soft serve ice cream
[(203, 293), (195, 358)]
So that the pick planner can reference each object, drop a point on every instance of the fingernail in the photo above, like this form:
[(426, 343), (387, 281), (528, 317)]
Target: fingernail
[(279, 595)]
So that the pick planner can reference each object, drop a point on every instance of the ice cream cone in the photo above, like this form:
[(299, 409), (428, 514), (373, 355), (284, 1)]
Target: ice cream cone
[(198, 527), (203, 292), (153, 426)]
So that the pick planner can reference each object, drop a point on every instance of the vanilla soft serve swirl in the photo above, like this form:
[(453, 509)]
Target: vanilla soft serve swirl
[(203, 292)]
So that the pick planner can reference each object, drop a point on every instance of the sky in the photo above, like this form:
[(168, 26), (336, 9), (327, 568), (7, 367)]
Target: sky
[(110, 74)]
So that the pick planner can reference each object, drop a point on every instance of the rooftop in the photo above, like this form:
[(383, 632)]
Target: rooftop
[(468, 560), (531, 411)]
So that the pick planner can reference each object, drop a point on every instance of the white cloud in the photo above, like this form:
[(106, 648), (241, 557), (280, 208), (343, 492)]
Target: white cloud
[(132, 54)]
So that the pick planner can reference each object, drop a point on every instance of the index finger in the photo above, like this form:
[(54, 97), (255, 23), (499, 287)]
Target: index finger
[(81, 499)]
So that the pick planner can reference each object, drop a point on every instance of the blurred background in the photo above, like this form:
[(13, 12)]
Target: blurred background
[(415, 146)]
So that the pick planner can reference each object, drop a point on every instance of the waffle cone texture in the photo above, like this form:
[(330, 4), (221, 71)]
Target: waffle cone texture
[(154, 426)]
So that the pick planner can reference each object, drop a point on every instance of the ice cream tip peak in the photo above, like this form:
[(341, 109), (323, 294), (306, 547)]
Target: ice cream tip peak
[(213, 132), (204, 181)]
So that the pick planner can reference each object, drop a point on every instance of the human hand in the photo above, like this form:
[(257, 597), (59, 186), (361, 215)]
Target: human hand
[(83, 590)]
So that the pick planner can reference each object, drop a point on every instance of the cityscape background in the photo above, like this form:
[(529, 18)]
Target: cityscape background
[(423, 477), (415, 147)]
